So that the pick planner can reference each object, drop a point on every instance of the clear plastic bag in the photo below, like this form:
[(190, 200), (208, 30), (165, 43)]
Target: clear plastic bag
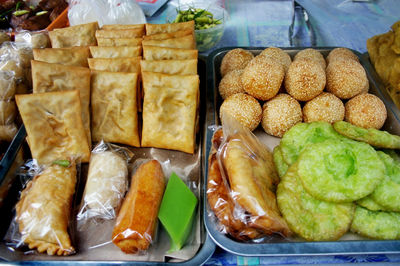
[(105, 12), (35, 39), (241, 184), (42, 218)]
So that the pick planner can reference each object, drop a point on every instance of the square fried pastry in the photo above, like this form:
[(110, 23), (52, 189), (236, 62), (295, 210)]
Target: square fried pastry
[(184, 42), (115, 51), (71, 56), (122, 26), (123, 33), (164, 53), (53, 122), (79, 35), (128, 64), (169, 27), (169, 111), (114, 107), (48, 77), (168, 35), (119, 41), (173, 67)]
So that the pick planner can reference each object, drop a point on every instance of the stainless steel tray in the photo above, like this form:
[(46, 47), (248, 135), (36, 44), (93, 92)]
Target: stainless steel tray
[(107, 256), (275, 246)]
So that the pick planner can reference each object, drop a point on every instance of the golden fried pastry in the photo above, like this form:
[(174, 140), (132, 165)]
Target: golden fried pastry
[(305, 80), (169, 111), (366, 110), (48, 77), (53, 122), (244, 108), (277, 54), (325, 107), (120, 33), (44, 208), (127, 64), (115, 51), (169, 27), (164, 53), (8, 85), (231, 84), (235, 59), (184, 42), (341, 53), (122, 26), (311, 54), (119, 41), (79, 35), (262, 78), (136, 222), (73, 56), (173, 67), (168, 35), (114, 107), (346, 78), (280, 114)]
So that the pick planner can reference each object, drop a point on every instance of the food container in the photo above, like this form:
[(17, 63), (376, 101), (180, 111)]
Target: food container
[(205, 38), (275, 246), (191, 164)]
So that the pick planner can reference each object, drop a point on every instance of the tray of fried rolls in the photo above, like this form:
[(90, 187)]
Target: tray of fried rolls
[(113, 139), (302, 153)]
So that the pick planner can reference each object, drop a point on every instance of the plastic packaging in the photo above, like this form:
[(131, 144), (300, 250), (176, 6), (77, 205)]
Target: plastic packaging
[(43, 211), (35, 39), (241, 184), (107, 182), (105, 12)]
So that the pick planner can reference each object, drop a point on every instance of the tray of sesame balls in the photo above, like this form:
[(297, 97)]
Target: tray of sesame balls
[(301, 153)]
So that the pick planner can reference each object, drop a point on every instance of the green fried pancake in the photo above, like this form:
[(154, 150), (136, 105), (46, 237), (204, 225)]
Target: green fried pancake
[(280, 164), (372, 136), (387, 193), (376, 224), (304, 134), (370, 204), (340, 171), (310, 218)]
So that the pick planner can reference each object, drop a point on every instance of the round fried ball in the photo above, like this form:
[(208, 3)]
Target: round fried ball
[(231, 83), (305, 80), (325, 107), (280, 114), (262, 78), (243, 108), (311, 54), (366, 110), (278, 55), (235, 59), (346, 78), (341, 54)]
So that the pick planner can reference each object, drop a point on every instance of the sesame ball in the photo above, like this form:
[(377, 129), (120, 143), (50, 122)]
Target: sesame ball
[(325, 107), (235, 59), (231, 83)]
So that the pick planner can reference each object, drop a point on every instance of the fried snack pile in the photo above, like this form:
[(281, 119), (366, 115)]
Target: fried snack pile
[(384, 51)]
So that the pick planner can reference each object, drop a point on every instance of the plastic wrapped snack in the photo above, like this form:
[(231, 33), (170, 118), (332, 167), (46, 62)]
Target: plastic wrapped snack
[(241, 184), (35, 39), (106, 184)]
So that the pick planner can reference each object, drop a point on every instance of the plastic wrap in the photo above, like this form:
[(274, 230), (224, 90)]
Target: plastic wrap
[(105, 12), (106, 184), (42, 213), (241, 185), (35, 39)]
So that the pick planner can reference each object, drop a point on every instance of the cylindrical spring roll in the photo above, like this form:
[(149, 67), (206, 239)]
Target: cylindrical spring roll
[(135, 226)]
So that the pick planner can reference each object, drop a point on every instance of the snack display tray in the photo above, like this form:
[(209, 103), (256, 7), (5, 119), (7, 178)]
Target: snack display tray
[(278, 246), (8, 166)]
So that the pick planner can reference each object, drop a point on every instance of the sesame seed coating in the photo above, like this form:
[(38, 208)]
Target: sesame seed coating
[(280, 114), (366, 110), (305, 80), (262, 78), (325, 107), (346, 78), (278, 55), (235, 59), (311, 54), (341, 53), (231, 83), (244, 108)]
